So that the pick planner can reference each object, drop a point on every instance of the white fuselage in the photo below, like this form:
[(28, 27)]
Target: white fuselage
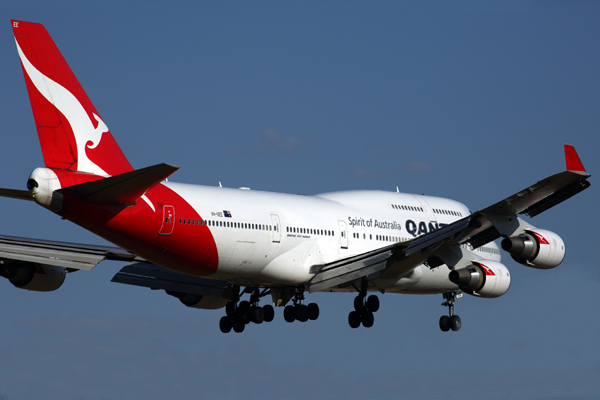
[(271, 239)]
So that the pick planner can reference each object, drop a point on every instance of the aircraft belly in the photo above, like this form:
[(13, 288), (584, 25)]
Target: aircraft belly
[(424, 280)]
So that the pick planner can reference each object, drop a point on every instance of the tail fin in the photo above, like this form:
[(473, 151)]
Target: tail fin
[(71, 132)]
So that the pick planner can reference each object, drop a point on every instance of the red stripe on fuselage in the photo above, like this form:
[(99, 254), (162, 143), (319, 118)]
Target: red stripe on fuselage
[(189, 249)]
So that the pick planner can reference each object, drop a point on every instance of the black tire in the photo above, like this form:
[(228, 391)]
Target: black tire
[(455, 323), (269, 313), (246, 318), (359, 303), (244, 307), (445, 323), (302, 313), (313, 311), (367, 318), (373, 303), (231, 309), (238, 325), (354, 319), (258, 315), (225, 324), (289, 313)]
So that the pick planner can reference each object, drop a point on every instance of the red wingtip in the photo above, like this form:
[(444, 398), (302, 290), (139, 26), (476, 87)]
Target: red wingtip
[(573, 161)]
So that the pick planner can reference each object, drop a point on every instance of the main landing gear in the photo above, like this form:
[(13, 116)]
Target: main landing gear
[(364, 307), (240, 315), (300, 311), (452, 321)]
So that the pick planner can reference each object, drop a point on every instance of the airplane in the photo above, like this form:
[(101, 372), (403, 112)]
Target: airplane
[(211, 246)]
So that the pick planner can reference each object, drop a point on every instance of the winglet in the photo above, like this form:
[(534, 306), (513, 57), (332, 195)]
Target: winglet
[(573, 161)]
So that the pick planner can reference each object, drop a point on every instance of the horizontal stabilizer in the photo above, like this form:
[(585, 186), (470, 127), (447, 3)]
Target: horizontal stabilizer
[(16, 194), (123, 189)]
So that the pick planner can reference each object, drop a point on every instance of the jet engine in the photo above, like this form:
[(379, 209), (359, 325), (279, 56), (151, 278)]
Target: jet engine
[(483, 278), (538, 248), (33, 276), (199, 301)]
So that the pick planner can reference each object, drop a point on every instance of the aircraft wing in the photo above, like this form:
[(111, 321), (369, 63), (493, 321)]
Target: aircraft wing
[(72, 256), (150, 275), (476, 229)]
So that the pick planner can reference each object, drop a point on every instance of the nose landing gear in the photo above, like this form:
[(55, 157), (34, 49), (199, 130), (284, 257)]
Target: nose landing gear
[(451, 321)]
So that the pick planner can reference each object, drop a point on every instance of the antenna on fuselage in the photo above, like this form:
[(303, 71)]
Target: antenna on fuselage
[(220, 184)]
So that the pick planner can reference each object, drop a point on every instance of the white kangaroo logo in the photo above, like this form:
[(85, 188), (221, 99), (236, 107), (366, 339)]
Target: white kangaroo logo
[(71, 108)]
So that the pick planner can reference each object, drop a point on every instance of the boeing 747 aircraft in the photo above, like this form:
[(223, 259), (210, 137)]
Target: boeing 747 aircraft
[(211, 247)]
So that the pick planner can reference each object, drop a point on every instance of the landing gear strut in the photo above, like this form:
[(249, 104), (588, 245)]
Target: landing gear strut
[(364, 307), (239, 315), (450, 321), (300, 311)]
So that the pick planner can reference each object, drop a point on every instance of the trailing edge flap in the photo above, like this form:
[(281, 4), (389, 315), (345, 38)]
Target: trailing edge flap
[(123, 189)]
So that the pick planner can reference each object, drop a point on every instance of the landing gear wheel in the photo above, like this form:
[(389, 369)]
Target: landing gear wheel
[(225, 324), (313, 311), (354, 319), (258, 315), (289, 313), (269, 313), (445, 323), (231, 309), (373, 303), (455, 323), (301, 313), (244, 307), (238, 325), (359, 303), (367, 318)]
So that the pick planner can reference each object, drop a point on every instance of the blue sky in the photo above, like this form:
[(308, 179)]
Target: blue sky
[(467, 100)]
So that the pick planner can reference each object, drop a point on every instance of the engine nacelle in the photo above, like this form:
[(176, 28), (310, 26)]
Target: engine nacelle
[(537, 248), (199, 301), (33, 276), (483, 278)]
